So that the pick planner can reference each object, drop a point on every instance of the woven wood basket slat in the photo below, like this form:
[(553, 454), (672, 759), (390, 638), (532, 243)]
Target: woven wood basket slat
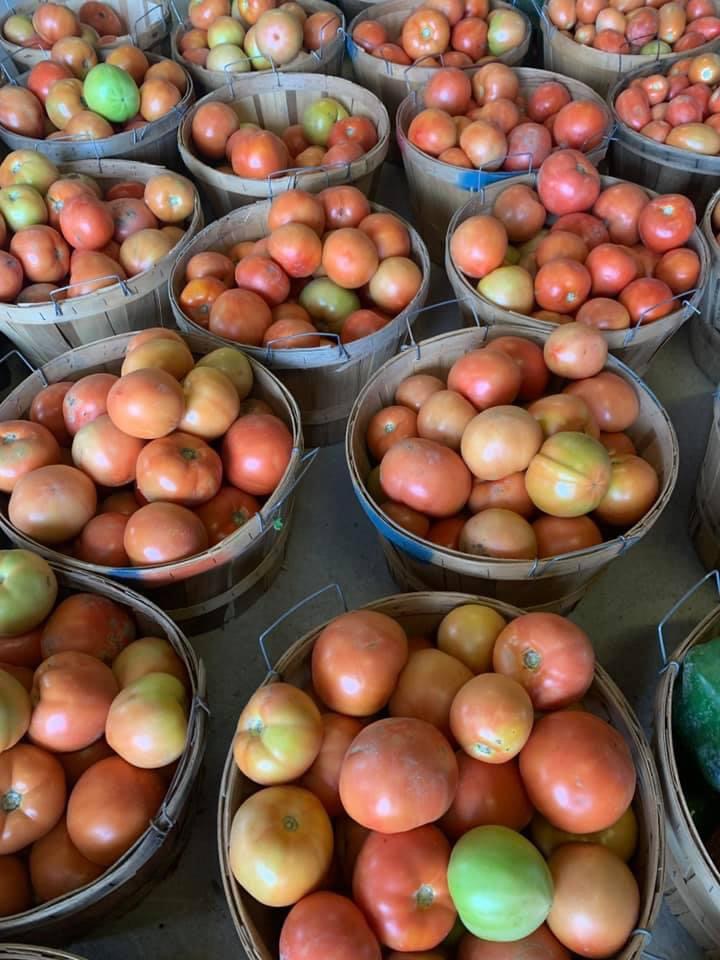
[(705, 508), (554, 584), (17, 951)]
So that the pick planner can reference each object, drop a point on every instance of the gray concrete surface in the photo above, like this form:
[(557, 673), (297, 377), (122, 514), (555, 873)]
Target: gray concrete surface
[(185, 917)]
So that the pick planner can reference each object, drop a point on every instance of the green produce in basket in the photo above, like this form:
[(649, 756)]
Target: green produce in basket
[(697, 711), (111, 92)]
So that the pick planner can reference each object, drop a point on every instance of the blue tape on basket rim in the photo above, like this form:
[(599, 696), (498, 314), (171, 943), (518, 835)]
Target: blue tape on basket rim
[(124, 573), (474, 180), (417, 551)]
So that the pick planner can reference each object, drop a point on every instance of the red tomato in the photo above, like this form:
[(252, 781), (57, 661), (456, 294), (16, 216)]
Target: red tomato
[(323, 777), (667, 222), (88, 623), (32, 796), (162, 532), (86, 400), (567, 182), (427, 687), (57, 867), (426, 476), (24, 446), (180, 469), (491, 718), (486, 377), (226, 512), (15, 893), (619, 207), (47, 409), (327, 925), (488, 794), (562, 285), (541, 944), (256, 452), (529, 357)]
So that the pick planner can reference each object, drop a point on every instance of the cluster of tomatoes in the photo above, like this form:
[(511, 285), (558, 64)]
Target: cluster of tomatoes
[(464, 465), (253, 34), (71, 95), (610, 257), (98, 24), (326, 135), (458, 33), (681, 109), (408, 800), (145, 486), (94, 719), (61, 237), (326, 265), (634, 26), (488, 123)]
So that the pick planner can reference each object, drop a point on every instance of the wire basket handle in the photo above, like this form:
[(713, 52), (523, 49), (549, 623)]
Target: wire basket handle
[(288, 613), (713, 574)]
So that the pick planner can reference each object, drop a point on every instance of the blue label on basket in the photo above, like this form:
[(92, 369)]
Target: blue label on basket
[(475, 180), (417, 551)]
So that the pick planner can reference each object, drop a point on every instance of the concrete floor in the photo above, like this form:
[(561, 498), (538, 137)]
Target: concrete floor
[(185, 917)]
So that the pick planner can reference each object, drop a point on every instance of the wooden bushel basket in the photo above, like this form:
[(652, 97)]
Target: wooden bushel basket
[(596, 68), (129, 879), (657, 166), (391, 82), (275, 101), (554, 584), (203, 591), (258, 926), (705, 344), (692, 879), (43, 331), (147, 23), (323, 381), (438, 189), (635, 346), (16, 951), (711, 306), (155, 143), (327, 60), (705, 506)]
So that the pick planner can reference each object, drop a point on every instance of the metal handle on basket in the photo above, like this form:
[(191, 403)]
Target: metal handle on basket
[(24, 359), (176, 13), (288, 613), (676, 606), (431, 306), (145, 15), (632, 331), (110, 276), (307, 460), (294, 336), (296, 172)]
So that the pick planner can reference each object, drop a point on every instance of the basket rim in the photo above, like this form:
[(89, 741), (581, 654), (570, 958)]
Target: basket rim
[(511, 569), (602, 684), (336, 355), (251, 532), (706, 225), (23, 951), (184, 778)]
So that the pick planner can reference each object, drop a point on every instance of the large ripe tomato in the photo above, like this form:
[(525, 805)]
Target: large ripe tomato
[(28, 588), (667, 222), (443, 418), (110, 807), (497, 532), (400, 884), (529, 357), (558, 535), (142, 250), (569, 476), (486, 377), (43, 253), (264, 277), (86, 223), (327, 925), (499, 883), (562, 285), (425, 33), (197, 297), (87, 623), (91, 271), (389, 426), (520, 212), (356, 661), (394, 284), (86, 400), (180, 469), (433, 132), (147, 721), (567, 182), (47, 409), (14, 709), (147, 404), (613, 401), (491, 718), (43, 75), (549, 655), (646, 300), (72, 693), (256, 452), (212, 126), (426, 476), (53, 504), (619, 207), (21, 111), (323, 776), (580, 125), (148, 655), (468, 633), (345, 206), (130, 215), (500, 441), (596, 902), (415, 390), (680, 269), (258, 155), (228, 511), (281, 845), (541, 944), (24, 446), (612, 267), (278, 735), (578, 771), (398, 774), (634, 487), (15, 893), (32, 796), (106, 454), (560, 412), (349, 257), (487, 794), (57, 867), (170, 197), (427, 687), (162, 532)]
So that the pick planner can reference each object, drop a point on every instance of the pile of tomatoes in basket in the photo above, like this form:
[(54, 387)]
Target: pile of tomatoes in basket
[(611, 257), (146, 486), (94, 718), (253, 34), (502, 461), (681, 109), (62, 236), (72, 96), (461, 32), (626, 26), (326, 135), (328, 264), (485, 121), (97, 24), (436, 757)]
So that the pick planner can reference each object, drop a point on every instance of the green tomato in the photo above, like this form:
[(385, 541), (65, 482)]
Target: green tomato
[(319, 117), (656, 48), (111, 92), (499, 883), (22, 206), (328, 304), (28, 589)]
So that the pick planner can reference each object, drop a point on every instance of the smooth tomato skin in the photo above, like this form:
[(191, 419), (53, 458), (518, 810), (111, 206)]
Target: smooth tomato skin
[(88, 623), (323, 776), (24, 446), (180, 468), (468, 633), (46, 408), (325, 924), (634, 487), (388, 427), (542, 941), (101, 541), (569, 475), (53, 504), (613, 401), (86, 400), (529, 357), (15, 893), (32, 795), (667, 222), (400, 884), (278, 735), (427, 687), (256, 452), (486, 378), (426, 476), (567, 182), (162, 532), (491, 718), (106, 454), (22, 650), (549, 655), (77, 762), (57, 867), (15, 708), (487, 794), (228, 511), (148, 655), (28, 591), (399, 773), (147, 721), (281, 845), (578, 771)]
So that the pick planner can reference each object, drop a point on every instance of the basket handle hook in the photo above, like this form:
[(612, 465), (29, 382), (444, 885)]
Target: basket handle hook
[(410, 337), (676, 606), (288, 613), (306, 461), (23, 359)]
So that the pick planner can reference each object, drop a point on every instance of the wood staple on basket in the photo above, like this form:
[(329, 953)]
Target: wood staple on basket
[(636, 346), (258, 926), (555, 583)]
